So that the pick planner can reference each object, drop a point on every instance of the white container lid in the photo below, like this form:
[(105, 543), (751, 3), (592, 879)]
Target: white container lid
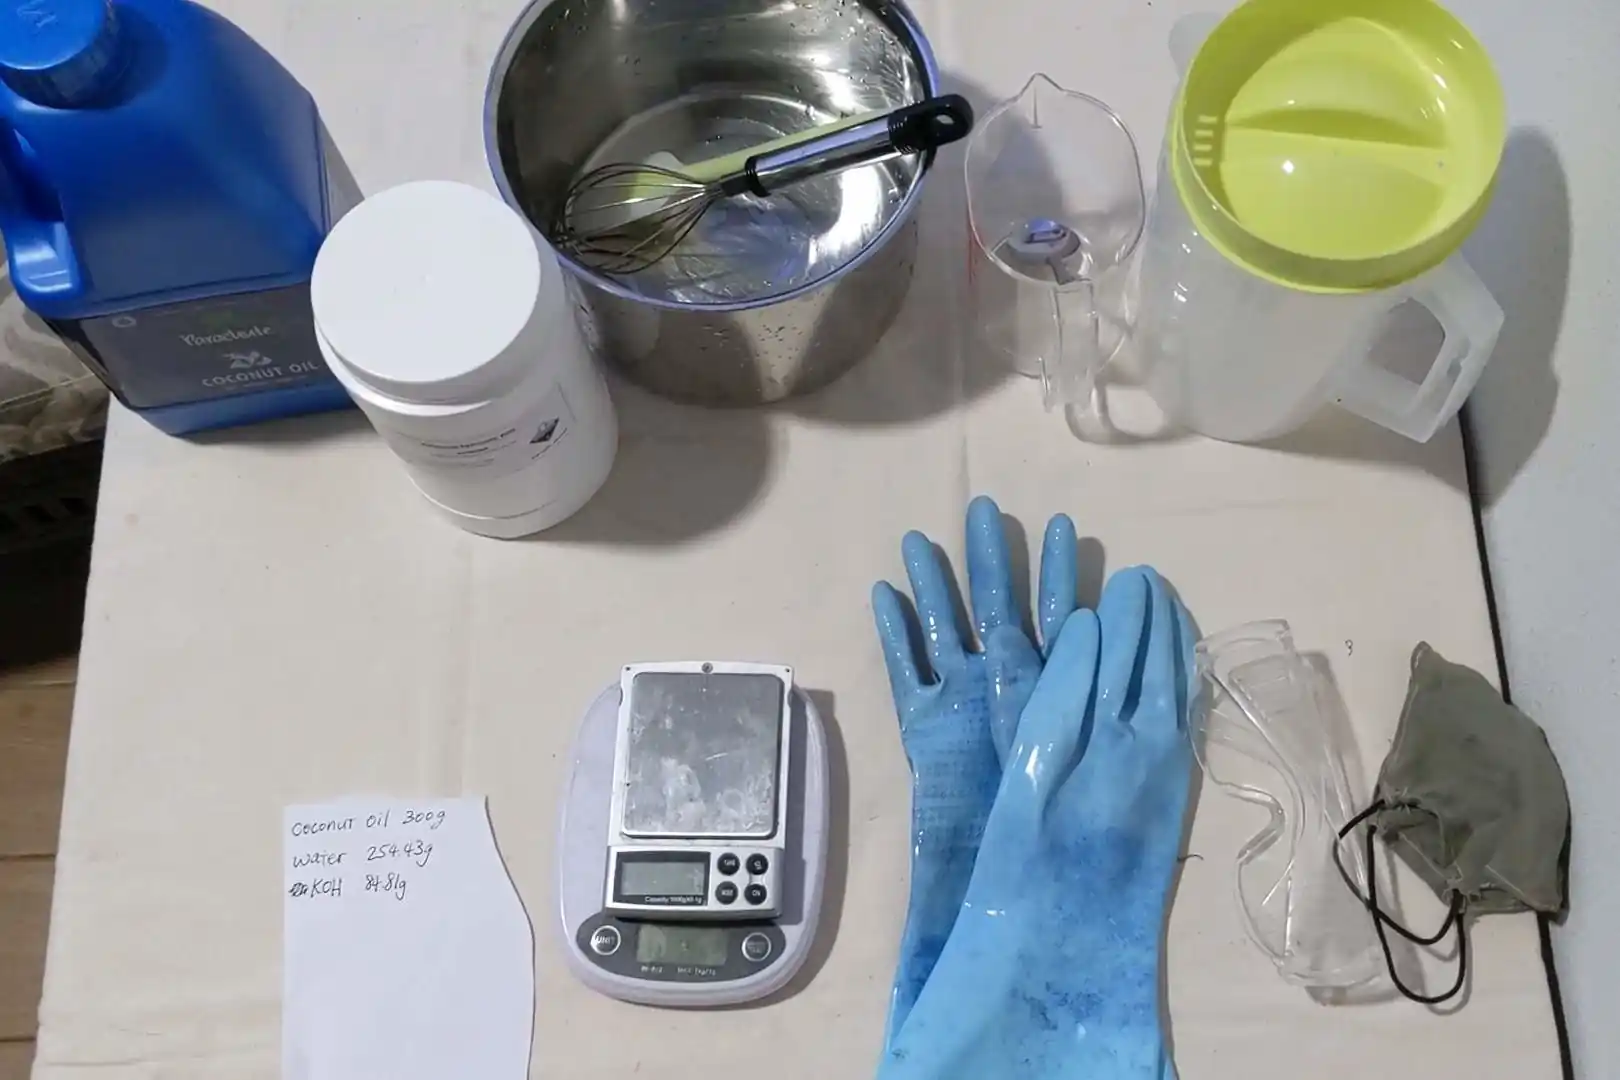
[(422, 290)]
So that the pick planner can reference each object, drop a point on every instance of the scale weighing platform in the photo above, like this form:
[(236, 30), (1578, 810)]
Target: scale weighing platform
[(693, 841)]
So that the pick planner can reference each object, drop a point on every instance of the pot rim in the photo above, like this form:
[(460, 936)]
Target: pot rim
[(902, 213)]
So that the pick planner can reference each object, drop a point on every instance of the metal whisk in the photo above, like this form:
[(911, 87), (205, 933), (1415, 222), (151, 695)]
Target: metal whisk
[(622, 218)]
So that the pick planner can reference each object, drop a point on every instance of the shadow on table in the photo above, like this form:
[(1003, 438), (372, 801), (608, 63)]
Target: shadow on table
[(1022, 547), (1522, 252), (682, 471)]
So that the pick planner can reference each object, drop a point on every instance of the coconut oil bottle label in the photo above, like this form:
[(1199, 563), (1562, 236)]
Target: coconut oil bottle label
[(202, 349)]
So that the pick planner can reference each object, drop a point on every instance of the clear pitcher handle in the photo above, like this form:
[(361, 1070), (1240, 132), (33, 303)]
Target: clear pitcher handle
[(1069, 376), (1471, 320)]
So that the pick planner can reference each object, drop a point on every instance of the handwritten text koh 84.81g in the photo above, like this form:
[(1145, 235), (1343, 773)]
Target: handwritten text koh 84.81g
[(388, 884)]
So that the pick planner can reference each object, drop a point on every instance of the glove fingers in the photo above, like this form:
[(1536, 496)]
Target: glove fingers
[(1013, 673), (1053, 724), (899, 647), (932, 588), (1186, 641), (1123, 613), (1163, 681), (989, 569), (1060, 580)]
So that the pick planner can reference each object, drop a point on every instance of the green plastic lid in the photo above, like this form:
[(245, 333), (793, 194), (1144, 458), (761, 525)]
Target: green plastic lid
[(1337, 145)]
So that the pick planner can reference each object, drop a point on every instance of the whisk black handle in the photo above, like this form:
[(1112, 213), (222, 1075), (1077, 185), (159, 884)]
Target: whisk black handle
[(914, 129), (930, 124)]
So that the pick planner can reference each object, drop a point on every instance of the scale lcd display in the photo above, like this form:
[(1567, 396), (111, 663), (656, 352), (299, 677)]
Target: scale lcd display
[(704, 946), (646, 877)]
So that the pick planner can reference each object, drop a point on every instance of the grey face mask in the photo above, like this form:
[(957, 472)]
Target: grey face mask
[(1472, 799)]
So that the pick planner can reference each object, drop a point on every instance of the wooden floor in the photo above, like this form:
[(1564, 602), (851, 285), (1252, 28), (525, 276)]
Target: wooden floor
[(36, 707), (39, 628), (44, 568)]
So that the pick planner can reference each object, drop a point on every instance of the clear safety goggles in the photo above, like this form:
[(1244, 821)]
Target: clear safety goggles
[(1269, 729)]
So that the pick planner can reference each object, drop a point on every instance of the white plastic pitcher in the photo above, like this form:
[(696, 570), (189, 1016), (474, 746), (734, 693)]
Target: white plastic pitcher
[(1248, 323), (1237, 357)]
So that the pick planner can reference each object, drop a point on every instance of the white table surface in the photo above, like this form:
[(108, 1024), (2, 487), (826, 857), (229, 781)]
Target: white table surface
[(275, 616), (1546, 444)]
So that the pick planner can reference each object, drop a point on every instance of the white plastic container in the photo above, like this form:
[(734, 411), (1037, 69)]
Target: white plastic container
[(446, 319)]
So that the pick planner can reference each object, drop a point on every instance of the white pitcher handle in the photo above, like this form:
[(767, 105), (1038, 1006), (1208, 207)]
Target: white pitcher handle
[(1471, 320)]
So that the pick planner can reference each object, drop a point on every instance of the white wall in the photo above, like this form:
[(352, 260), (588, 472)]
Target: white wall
[(1546, 421)]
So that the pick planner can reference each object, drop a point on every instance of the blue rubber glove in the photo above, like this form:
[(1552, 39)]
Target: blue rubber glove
[(958, 719), (1052, 969)]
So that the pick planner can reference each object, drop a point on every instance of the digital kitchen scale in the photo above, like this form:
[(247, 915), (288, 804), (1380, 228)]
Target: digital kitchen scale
[(693, 838)]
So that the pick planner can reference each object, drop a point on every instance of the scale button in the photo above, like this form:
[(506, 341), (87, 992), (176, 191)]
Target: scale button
[(605, 940), (758, 864), (726, 892), (729, 863), (755, 894), (756, 948)]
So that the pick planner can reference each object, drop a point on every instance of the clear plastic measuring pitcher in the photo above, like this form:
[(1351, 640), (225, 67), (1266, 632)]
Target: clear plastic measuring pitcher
[(1055, 210), (1323, 162)]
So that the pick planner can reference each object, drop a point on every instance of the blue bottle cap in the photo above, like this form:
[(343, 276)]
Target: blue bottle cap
[(58, 53)]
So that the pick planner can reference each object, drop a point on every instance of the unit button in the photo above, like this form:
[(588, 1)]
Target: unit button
[(758, 864), (605, 940), (754, 894), (729, 863), (726, 892), (756, 948)]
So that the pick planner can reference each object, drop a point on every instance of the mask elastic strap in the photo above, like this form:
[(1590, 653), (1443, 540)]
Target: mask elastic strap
[(1454, 917)]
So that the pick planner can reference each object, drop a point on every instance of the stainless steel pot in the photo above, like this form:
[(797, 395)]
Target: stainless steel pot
[(580, 82)]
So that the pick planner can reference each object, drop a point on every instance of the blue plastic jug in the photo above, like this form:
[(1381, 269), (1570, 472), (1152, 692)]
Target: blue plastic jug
[(163, 193)]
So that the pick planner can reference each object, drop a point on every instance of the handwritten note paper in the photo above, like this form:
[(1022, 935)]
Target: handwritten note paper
[(407, 953)]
